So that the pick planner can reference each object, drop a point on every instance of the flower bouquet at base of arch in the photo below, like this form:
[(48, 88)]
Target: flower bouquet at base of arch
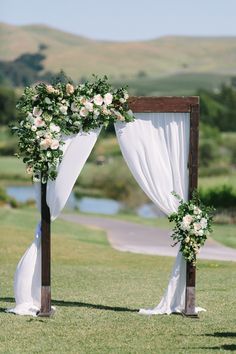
[(193, 223), (49, 112)]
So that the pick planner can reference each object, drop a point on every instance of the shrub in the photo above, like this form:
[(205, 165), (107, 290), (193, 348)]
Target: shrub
[(221, 197)]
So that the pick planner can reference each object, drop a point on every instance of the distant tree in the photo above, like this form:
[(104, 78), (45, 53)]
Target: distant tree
[(141, 74), (7, 105), (42, 47), (32, 61)]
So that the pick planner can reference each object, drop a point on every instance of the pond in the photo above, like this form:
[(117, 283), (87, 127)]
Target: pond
[(85, 204)]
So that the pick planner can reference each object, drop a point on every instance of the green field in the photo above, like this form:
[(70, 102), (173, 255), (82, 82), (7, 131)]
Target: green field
[(174, 85), (12, 171), (97, 290)]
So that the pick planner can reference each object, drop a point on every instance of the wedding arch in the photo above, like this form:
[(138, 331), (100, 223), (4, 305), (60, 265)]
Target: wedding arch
[(161, 149)]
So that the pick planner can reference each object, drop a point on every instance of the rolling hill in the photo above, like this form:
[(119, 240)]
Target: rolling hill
[(80, 56)]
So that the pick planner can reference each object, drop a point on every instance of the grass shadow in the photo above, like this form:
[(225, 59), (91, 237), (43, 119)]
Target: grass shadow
[(80, 304), (230, 347), (92, 306), (221, 334)]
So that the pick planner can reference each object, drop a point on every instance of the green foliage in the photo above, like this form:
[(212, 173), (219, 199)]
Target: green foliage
[(218, 108), (221, 197), (25, 70), (8, 101), (5, 199), (193, 223), (111, 180)]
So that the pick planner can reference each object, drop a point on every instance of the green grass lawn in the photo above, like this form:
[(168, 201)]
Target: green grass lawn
[(96, 291), (12, 170)]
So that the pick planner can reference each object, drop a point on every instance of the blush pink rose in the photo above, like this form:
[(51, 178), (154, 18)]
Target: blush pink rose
[(54, 144), (38, 122), (98, 100)]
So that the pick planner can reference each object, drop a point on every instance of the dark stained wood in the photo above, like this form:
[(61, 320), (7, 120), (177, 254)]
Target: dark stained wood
[(45, 310), (193, 148), (162, 104), (190, 296)]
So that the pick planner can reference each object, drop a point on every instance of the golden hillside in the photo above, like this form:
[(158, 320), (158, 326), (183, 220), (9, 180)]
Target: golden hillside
[(80, 56)]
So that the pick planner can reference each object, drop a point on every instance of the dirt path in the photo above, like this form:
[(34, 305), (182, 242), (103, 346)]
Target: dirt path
[(131, 237)]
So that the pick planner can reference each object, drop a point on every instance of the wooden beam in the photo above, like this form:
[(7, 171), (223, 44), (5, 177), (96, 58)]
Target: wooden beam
[(162, 104), (46, 310), (190, 295)]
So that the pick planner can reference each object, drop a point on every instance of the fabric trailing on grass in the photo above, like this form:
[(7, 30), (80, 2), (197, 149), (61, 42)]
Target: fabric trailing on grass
[(156, 148), (27, 283)]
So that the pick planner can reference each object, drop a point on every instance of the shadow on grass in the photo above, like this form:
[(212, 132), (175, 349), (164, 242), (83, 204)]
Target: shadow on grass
[(79, 304), (230, 347), (92, 306), (221, 334)]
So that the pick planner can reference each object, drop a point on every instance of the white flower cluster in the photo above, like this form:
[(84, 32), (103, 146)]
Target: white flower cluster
[(51, 111), (47, 136), (192, 226)]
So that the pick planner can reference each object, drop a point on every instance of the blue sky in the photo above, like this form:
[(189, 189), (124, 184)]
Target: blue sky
[(126, 19)]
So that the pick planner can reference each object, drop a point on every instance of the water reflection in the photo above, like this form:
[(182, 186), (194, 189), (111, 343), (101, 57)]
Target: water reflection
[(85, 204)]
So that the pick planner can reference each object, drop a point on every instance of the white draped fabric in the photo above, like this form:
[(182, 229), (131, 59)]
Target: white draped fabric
[(27, 283), (156, 147)]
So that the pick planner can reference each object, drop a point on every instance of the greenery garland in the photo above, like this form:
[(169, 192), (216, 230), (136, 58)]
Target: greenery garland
[(51, 111), (193, 224)]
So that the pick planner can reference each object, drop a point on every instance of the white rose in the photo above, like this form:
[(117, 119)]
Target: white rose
[(29, 170), (69, 89), (203, 223), (105, 110), (50, 88), (54, 144), (47, 135), (39, 133), (108, 98), (54, 128), (63, 109), (33, 128), (45, 143), (38, 122), (126, 96), (196, 210), (89, 106), (185, 226), (187, 219), (98, 100), (200, 232), (73, 107), (197, 226), (37, 111), (122, 100), (83, 100), (83, 112)]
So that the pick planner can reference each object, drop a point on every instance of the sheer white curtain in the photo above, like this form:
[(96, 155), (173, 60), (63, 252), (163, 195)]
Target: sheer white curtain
[(155, 147), (27, 282)]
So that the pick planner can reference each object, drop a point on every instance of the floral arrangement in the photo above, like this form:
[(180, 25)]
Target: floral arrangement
[(51, 111), (193, 224)]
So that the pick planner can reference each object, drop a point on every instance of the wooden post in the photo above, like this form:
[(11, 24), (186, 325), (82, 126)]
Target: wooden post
[(190, 296), (46, 310)]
